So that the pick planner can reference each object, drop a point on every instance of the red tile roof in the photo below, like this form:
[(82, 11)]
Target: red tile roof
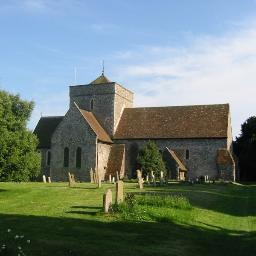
[(198, 121)]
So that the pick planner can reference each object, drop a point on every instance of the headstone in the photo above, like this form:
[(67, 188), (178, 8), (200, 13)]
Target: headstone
[(117, 176), (107, 200), (91, 175), (113, 180), (161, 178), (147, 179), (71, 179), (141, 181), (138, 174), (109, 178), (49, 180), (94, 177), (152, 176), (119, 191), (44, 179)]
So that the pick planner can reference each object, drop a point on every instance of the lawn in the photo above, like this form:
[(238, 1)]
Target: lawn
[(58, 220)]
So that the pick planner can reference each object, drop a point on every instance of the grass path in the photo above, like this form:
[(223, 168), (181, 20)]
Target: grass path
[(68, 221)]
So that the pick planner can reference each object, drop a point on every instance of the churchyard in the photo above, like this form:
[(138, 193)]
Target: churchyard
[(174, 219)]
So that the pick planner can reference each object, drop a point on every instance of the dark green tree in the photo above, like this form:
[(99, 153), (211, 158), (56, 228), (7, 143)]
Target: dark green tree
[(150, 159), (19, 159), (245, 150)]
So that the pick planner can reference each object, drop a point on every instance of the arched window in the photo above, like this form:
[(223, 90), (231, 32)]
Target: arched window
[(187, 154), (66, 157), (78, 157), (92, 104), (48, 158)]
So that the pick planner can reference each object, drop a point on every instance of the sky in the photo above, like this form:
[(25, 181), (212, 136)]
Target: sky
[(168, 52)]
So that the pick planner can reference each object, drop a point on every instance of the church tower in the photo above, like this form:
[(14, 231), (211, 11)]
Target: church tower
[(105, 99)]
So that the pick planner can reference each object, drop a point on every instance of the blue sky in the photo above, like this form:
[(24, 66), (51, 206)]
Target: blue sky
[(176, 52)]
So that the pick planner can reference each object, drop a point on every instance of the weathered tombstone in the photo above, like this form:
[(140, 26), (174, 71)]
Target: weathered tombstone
[(138, 174), (147, 179), (113, 180), (117, 176), (119, 191), (107, 200), (161, 178), (44, 179), (49, 180), (109, 178), (91, 175), (71, 179), (152, 176), (141, 181)]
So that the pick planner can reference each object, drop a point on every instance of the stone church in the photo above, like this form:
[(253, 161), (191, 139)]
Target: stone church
[(103, 131)]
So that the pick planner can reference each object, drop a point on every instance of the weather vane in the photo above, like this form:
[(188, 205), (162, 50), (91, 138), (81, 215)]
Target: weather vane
[(103, 67)]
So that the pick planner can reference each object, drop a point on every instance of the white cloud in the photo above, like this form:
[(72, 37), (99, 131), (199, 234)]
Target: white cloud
[(211, 70)]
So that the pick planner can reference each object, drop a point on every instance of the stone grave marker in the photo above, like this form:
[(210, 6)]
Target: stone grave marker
[(113, 180), (161, 178), (44, 179), (141, 181), (91, 175), (109, 178), (139, 175), (49, 180), (119, 191), (71, 179), (107, 200)]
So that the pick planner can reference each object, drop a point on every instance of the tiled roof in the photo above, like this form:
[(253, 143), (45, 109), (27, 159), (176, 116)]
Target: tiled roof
[(224, 157), (198, 121), (45, 128), (102, 79), (176, 159), (94, 124), (115, 161)]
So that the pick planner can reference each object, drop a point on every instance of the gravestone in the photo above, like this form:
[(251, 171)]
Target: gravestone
[(161, 178), (107, 200), (71, 179), (91, 175), (44, 179), (141, 181), (119, 191), (139, 175), (113, 180), (147, 179), (49, 180), (153, 178), (109, 178), (94, 177)]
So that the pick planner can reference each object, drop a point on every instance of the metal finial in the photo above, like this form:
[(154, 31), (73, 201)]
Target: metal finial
[(103, 67)]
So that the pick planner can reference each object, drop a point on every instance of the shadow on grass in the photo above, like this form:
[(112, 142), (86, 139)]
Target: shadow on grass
[(236, 200), (70, 236)]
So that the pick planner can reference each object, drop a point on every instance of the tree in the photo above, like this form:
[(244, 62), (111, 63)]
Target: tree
[(19, 159), (245, 149), (150, 159)]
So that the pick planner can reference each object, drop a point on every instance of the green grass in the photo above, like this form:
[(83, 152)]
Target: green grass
[(210, 219)]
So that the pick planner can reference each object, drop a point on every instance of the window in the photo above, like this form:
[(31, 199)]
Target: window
[(66, 157), (78, 157), (187, 154), (48, 158), (92, 104)]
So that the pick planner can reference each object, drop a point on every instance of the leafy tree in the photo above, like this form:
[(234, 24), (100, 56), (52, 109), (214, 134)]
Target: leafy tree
[(245, 149), (19, 159), (151, 159)]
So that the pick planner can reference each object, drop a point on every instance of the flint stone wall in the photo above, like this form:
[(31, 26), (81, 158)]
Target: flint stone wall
[(202, 154), (73, 132)]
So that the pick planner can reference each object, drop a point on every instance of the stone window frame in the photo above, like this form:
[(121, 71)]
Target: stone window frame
[(187, 154), (78, 157), (66, 157), (91, 104), (48, 157)]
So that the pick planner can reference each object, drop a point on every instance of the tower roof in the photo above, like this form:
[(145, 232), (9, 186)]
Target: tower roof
[(102, 79)]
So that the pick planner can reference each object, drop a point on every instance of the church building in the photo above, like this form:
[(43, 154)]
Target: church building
[(103, 131)]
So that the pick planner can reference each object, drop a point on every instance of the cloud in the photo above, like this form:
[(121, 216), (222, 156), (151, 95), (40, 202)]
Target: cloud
[(211, 70)]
